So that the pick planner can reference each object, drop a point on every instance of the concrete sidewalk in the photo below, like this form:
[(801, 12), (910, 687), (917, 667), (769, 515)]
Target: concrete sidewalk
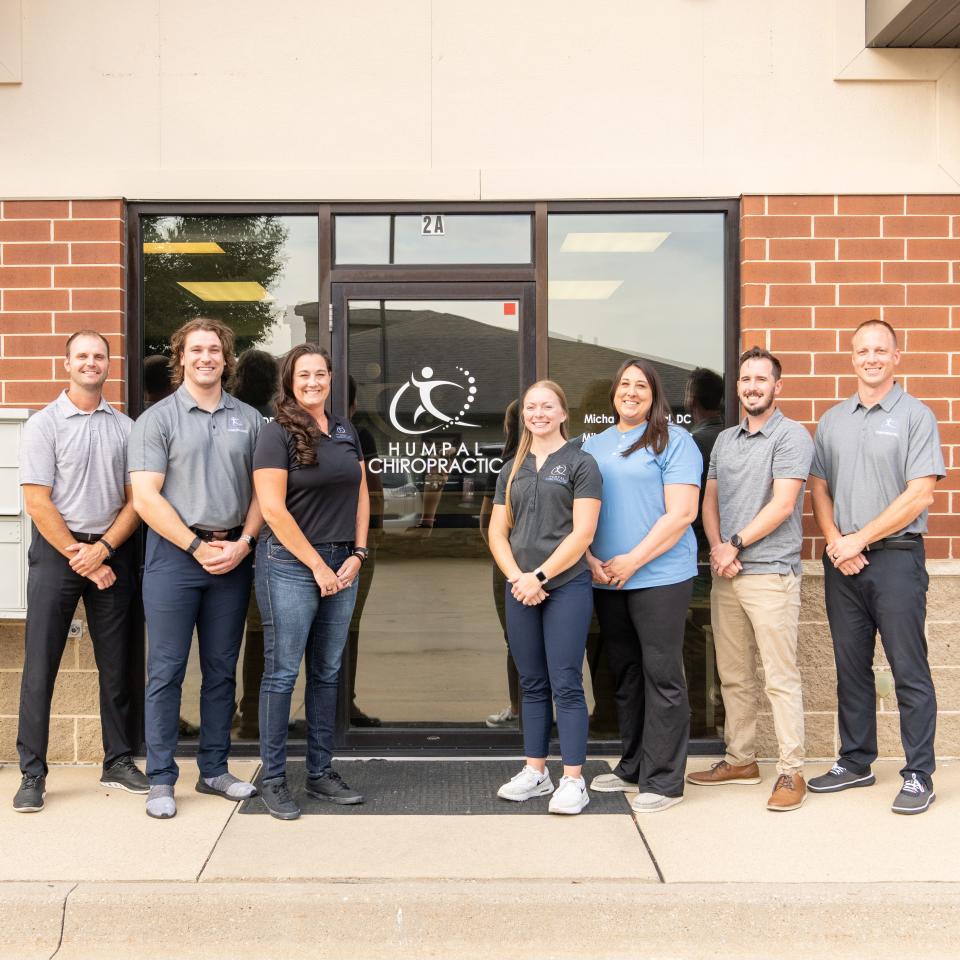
[(718, 875)]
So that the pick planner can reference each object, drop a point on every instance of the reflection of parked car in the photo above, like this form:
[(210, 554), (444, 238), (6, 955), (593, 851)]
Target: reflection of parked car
[(401, 501)]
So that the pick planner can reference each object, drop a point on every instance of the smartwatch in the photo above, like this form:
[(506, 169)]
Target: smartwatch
[(194, 544), (111, 551), (736, 542), (540, 575)]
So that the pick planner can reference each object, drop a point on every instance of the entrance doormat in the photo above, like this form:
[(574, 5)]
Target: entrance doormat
[(436, 787)]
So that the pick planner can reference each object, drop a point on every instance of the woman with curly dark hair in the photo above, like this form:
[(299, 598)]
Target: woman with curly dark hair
[(311, 482)]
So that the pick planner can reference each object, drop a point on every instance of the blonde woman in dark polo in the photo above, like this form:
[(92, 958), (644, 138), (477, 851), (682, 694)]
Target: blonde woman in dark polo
[(544, 516)]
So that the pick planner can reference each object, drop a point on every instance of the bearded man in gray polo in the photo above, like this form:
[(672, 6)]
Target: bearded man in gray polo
[(752, 512)]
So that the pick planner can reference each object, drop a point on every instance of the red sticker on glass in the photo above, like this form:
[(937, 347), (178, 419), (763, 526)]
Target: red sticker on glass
[(509, 309)]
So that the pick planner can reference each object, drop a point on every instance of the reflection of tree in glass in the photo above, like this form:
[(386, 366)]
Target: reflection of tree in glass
[(252, 251)]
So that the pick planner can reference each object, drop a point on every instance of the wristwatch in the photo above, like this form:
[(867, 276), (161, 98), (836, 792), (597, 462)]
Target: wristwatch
[(540, 575), (361, 553), (248, 539), (736, 542), (111, 552)]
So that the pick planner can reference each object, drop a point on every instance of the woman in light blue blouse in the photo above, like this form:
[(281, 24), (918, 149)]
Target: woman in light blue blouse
[(643, 561)]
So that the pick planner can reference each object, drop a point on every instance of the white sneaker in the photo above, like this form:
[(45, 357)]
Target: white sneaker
[(505, 718), (526, 784), (571, 796), (611, 783), (653, 802)]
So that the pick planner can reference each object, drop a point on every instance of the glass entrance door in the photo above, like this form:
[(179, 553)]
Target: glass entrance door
[(432, 372)]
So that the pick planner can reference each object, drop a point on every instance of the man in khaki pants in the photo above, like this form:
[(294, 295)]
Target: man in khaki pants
[(752, 518)]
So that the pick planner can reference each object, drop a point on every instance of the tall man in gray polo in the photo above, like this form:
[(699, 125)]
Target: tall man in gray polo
[(191, 459), (877, 460), (752, 513), (77, 492)]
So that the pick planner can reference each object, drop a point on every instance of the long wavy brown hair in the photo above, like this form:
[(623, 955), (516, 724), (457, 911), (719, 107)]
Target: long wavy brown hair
[(657, 434), (179, 340), (526, 438), (290, 415)]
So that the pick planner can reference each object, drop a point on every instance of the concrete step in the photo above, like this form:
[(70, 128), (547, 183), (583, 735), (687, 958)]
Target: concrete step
[(474, 920)]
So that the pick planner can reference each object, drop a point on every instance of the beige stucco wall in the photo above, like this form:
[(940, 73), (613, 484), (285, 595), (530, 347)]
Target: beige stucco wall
[(421, 99)]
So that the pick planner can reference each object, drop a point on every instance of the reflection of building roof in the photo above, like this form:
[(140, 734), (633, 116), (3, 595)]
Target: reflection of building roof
[(414, 338)]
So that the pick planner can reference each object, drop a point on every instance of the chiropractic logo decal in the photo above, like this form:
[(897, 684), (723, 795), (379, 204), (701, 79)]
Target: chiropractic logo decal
[(889, 428), (418, 392), (559, 474)]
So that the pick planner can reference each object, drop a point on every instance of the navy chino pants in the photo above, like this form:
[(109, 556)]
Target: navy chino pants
[(178, 595), (547, 642)]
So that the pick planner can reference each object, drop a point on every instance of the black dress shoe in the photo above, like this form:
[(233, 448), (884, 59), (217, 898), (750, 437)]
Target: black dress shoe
[(278, 799), (330, 786), (29, 798)]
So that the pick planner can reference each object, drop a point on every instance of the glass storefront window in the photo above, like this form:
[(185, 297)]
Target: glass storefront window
[(433, 238), (649, 285), (258, 274)]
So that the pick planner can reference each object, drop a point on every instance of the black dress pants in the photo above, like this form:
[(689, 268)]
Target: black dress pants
[(53, 591), (642, 634), (889, 596)]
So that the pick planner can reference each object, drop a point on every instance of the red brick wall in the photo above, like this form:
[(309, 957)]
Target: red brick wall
[(62, 267), (813, 267)]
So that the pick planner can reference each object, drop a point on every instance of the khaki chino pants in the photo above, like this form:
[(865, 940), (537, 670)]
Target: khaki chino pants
[(751, 613)]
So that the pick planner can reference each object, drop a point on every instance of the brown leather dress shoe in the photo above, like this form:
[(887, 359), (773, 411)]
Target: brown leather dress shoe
[(724, 772), (789, 792)]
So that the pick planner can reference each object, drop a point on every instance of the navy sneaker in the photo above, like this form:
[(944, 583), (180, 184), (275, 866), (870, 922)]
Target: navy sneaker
[(914, 796), (837, 778)]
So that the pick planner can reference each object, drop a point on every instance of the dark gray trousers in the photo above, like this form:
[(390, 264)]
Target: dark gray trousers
[(889, 596), (53, 591)]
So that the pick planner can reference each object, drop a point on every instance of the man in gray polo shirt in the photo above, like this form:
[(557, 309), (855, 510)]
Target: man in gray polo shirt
[(76, 490), (752, 518), (191, 460), (877, 460)]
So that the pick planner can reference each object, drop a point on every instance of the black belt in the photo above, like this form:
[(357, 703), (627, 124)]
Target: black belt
[(86, 537), (906, 541), (207, 535)]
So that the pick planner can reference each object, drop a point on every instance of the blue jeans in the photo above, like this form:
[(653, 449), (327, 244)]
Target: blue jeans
[(297, 621), (547, 643), (178, 595)]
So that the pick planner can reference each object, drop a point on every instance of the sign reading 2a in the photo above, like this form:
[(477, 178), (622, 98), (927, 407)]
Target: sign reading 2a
[(433, 225)]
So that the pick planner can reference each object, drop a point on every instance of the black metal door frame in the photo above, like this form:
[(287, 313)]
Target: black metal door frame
[(437, 740)]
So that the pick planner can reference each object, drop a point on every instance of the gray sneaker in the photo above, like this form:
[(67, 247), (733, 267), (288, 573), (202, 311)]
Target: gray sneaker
[(29, 798), (914, 796), (330, 786), (837, 778), (279, 802), (611, 783)]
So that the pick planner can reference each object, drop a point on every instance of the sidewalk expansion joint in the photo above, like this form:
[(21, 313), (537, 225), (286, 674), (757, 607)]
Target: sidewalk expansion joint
[(63, 920), (653, 859)]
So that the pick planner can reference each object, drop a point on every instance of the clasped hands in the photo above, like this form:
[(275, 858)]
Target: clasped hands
[(330, 582), (724, 560), (616, 571), (848, 554), (221, 556), (527, 589), (87, 561)]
